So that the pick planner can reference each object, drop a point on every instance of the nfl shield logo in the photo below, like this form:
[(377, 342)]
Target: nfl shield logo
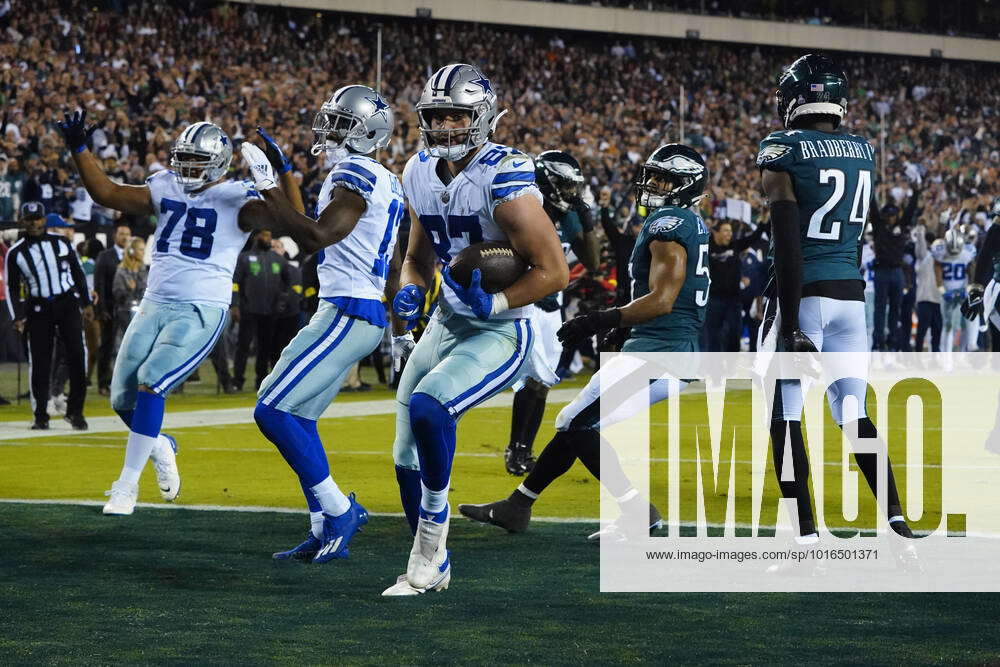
[(815, 87)]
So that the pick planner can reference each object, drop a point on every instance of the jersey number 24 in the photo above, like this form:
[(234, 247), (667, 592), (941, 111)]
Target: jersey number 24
[(829, 230)]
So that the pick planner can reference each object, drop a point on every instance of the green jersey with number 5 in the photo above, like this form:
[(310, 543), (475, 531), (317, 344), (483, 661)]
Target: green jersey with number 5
[(832, 174), (685, 227)]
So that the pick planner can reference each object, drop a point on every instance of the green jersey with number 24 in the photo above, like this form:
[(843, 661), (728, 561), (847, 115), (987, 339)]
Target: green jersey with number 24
[(685, 227), (832, 174)]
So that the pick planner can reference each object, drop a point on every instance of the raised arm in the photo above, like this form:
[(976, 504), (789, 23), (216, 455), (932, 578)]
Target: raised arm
[(132, 199)]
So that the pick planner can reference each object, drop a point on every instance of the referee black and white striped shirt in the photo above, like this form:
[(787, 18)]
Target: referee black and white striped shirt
[(42, 268)]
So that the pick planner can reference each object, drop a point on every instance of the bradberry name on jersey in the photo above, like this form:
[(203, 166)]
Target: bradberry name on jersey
[(816, 148)]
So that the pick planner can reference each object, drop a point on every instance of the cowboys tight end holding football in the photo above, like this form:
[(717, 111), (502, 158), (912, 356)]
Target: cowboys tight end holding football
[(359, 210), (203, 223), (670, 277), (568, 202), (462, 189), (818, 181)]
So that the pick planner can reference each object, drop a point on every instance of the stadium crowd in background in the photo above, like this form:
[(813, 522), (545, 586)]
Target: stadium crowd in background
[(145, 68)]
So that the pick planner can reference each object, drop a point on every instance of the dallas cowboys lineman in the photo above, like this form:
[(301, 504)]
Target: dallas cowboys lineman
[(359, 210), (670, 273), (203, 224), (819, 183), (462, 189)]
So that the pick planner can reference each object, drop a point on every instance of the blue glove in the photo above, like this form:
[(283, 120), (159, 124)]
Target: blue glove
[(278, 160), (409, 305), (75, 130), (478, 300)]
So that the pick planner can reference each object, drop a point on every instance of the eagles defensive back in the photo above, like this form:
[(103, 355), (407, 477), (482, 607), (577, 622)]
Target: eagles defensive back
[(462, 189), (819, 183), (203, 223), (358, 214), (670, 284)]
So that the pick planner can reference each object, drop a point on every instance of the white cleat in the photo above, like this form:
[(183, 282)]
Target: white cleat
[(164, 457), (402, 586), (123, 497), (429, 562)]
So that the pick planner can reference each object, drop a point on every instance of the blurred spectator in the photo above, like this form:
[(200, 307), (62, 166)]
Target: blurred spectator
[(11, 183), (723, 319), (928, 288), (129, 284), (104, 279), (260, 280), (892, 232)]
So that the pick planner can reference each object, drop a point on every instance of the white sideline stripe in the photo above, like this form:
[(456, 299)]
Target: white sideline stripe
[(21, 430), (484, 455), (399, 515)]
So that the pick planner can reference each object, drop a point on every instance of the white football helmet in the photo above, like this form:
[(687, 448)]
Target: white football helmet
[(461, 87), (200, 155), (356, 118)]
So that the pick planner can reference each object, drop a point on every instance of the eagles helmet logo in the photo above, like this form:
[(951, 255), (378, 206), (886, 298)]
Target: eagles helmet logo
[(772, 152), (682, 165), (665, 224)]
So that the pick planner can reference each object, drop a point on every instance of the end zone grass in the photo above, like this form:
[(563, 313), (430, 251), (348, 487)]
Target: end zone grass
[(200, 588)]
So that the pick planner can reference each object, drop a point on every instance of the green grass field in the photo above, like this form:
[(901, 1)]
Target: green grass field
[(185, 586), (189, 587)]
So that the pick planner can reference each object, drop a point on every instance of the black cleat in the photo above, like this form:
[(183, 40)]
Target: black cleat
[(518, 459), (40, 425), (503, 513), (77, 422)]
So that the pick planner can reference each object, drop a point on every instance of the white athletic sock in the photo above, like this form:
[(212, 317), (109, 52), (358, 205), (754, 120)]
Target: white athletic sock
[(331, 498), (526, 491), (316, 524), (136, 454), (434, 502), (898, 517), (627, 496), (806, 540)]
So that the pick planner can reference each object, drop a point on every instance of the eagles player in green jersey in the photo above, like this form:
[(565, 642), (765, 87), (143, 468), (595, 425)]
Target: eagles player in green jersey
[(819, 184), (670, 282), (568, 203)]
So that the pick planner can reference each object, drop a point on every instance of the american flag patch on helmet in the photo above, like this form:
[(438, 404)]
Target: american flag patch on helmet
[(815, 87)]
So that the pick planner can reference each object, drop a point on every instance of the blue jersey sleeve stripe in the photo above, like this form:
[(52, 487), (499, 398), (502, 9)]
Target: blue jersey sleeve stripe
[(357, 169), (340, 176), (508, 176), (500, 193)]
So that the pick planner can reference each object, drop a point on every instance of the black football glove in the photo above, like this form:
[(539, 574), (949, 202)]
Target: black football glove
[(972, 308), (585, 326), (613, 340), (793, 340), (584, 213), (75, 130)]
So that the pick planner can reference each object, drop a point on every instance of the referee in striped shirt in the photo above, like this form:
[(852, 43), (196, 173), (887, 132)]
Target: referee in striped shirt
[(46, 292)]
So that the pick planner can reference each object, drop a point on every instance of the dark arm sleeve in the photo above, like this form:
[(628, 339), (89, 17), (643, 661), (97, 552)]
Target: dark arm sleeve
[(13, 280), (984, 262), (910, 212), (787, 260), (79, 277)]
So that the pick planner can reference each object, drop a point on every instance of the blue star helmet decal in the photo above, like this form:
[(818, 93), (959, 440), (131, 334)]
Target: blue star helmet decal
[(224, 140), (380, 106), (484, 83)]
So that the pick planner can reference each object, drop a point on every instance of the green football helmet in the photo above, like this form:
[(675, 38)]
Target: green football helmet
[(812, 85)]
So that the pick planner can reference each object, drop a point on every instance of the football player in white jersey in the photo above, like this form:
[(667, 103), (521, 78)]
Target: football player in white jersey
[(956, 258), (203, 223), (462, 189), (358, 214)]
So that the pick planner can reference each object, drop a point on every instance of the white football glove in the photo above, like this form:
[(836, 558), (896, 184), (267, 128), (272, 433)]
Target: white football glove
[(260, 167), (402, 346)]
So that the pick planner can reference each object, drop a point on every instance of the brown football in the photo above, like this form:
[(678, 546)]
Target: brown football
[(498, 263)]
